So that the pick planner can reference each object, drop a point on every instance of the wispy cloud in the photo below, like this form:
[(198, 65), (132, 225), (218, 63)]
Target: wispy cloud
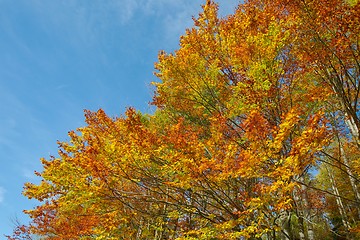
[(177, 15), (12, 109), (89, 17), (2, 193), (84, 23), (30, 175)]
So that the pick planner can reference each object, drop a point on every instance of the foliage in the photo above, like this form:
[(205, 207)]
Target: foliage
[(255, 136)]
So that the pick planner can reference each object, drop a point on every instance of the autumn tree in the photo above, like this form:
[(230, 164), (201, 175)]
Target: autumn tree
[(255, 136)]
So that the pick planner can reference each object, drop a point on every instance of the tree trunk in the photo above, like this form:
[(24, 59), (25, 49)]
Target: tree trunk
[(338, 199), (308, 228), (285, 225), (139, 232), (353, 127), (303, 212), (351, 178)]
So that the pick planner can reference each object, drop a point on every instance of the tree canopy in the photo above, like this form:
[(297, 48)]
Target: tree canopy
[(256, 135)]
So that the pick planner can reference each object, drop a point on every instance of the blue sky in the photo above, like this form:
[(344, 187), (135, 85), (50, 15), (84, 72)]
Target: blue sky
[(59, 57)]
